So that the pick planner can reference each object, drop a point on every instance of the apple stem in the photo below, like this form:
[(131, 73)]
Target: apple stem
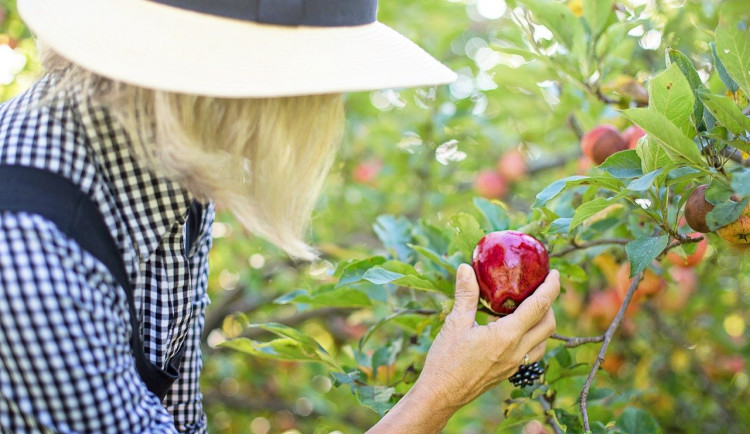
[(607, 339)]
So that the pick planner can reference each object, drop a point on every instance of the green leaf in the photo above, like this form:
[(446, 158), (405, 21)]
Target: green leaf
[(395, 234), (568, 271), (559, 226), (688, 70), (623, 165), (327, 295), (679, 147), (377, 398), (590, 208), (642, 251), (652, 155), (399, 273), (354, 271), (571, 422), (635, 420), (733, 48), (434, 257), (741, 182), (565, 27), (725, 78), (725, 213), (494, 213), (615, 35), (645, 182), (554, 189), (726, 111), (467, 233), (292, 346), (597, 13), (670, 94)]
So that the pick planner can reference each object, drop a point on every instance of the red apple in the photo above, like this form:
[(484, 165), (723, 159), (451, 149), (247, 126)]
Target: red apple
[(512, 165), (692, 259), (696, 209), (649, 286), (490, 184), (509, 265), (367, 171), (601, 142), (602, 308), (632, 134)]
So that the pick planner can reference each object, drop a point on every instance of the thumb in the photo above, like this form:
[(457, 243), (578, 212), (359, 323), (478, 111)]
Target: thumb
[(467, 296)]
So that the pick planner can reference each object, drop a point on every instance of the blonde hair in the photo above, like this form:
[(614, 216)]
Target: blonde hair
[(265, 159)]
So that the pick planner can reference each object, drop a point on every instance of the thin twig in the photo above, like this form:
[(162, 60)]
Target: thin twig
[(733, 154), (577, 246), (577, 341), (572, 122), (547, 404), (607, 339)]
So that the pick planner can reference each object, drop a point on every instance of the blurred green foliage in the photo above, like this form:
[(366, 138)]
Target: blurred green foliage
[(413, 156)]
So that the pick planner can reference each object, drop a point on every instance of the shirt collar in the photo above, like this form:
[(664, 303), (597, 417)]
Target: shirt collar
[(150, 204)]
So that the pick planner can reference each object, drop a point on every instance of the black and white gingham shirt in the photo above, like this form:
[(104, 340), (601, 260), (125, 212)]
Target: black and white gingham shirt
[(65, 356)]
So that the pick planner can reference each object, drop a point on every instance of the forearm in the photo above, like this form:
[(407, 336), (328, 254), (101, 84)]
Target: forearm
[(420, 411)]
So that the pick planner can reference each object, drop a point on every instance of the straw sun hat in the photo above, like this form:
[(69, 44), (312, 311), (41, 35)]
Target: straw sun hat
[(234, 48)]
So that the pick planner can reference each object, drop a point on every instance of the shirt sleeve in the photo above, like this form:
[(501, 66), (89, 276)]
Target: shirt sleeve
[(65, 360), (184, 400)]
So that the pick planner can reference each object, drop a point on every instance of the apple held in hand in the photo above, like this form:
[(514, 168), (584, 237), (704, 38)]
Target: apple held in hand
[(509, 266)]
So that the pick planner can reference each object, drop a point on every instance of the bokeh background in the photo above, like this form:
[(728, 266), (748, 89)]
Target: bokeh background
[(425, 154)]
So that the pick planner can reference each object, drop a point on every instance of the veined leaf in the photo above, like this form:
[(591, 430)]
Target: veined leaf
[(597, 13), (688, 70), (642, 251), (670, 94), (733, 48), (565, 27), (679, 147), (726, 111)]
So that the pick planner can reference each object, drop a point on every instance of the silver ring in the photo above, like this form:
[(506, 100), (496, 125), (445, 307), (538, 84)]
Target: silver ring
[(526, 359)]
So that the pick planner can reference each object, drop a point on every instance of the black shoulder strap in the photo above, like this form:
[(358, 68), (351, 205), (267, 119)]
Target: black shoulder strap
[(56, 198)]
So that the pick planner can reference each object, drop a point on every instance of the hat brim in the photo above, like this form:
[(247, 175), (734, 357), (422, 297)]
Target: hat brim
[(166, 48)]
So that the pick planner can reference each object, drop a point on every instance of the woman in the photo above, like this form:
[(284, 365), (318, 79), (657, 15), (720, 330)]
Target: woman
[(154, 111)]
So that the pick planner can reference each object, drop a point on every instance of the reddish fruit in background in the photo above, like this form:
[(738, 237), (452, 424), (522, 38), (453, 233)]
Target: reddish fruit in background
[(613, 362), (509, 266), (650, 285), (678, 292), (696, 209), (738, 231), (512, 165), (602, 308), (490, 184), (692, 259), (601, 142), (632, 134), (367, 171), (583, 165)]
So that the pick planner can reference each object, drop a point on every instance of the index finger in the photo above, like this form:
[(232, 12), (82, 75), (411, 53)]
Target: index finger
[(533, 309)]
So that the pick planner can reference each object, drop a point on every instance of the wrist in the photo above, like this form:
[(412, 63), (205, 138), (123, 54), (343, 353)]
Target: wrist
[(421, 410)]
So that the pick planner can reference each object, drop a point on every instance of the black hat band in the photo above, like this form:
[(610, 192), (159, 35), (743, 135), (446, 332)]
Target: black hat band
[(318, 13)]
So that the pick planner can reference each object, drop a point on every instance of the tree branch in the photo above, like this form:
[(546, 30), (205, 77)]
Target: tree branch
[(733, 154), (577, 341), (607, 339), (576, 246)]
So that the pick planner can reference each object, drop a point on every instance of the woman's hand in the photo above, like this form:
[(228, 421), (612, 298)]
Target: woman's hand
[(467, 359)]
